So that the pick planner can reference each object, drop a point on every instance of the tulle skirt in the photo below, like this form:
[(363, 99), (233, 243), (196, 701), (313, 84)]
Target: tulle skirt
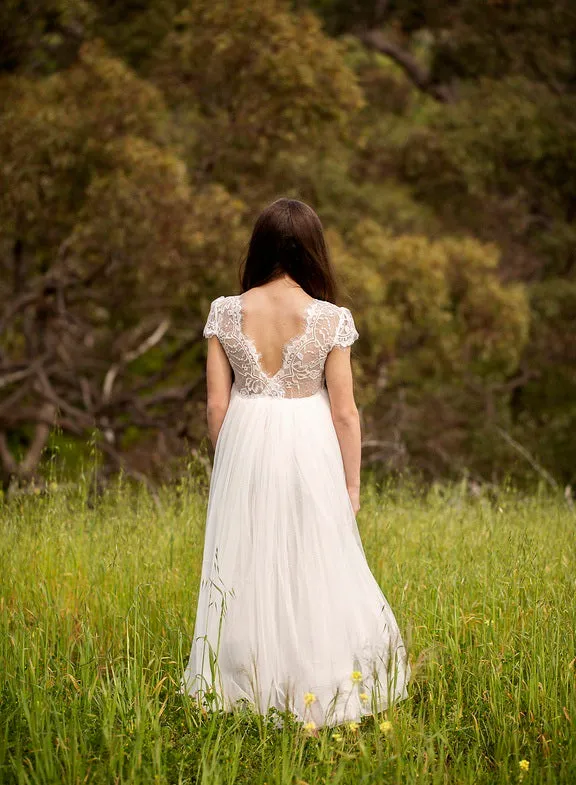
[(289, 614)]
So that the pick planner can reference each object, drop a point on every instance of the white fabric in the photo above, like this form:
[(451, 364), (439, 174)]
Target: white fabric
[(288, 604)]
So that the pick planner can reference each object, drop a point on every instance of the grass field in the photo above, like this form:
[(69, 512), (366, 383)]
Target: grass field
[(97, 603)]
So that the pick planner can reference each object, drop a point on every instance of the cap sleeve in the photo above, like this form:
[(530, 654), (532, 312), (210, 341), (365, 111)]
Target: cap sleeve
[(211, 326), (346, 332)]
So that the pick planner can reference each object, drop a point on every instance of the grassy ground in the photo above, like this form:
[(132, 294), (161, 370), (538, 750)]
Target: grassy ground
[(97, 605)]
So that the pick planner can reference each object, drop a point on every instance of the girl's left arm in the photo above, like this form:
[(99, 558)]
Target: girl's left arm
[(219, 378)]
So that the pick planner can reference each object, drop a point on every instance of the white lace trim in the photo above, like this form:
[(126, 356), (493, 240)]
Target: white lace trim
[(303, 357), (347, 332)]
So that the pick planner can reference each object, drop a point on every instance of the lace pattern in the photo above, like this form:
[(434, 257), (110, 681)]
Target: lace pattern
[(346, 333), (303, 357)]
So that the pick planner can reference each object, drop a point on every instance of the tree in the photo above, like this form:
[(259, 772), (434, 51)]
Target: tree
[(442, 339), (104, 246), (440, 45), (244, 102), (435, 141)]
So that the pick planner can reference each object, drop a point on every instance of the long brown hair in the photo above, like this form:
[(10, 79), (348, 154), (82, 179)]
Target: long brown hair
[(288, 238)]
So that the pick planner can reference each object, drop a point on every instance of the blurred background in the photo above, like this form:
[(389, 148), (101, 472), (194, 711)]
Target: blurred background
[(437, 141)]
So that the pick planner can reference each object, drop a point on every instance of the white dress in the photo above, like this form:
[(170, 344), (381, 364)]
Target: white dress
[(289, 614)]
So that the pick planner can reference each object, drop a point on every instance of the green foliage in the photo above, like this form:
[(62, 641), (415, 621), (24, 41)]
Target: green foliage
[(252, 101), (471, 39), (546, 405), (96, 180), (500, 163), (439, 332), (146, 138), (504, 37), (54, 142), (40, 36), (134, 30)]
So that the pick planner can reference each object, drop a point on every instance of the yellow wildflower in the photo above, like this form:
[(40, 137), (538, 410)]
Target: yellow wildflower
[(363, 696), (310, 725), (524, 765), (356, 676), (309, 698), (385, 726), (337, 736), (353, 726)]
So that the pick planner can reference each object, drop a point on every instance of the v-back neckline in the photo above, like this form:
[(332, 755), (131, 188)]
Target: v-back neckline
[(286, 348)]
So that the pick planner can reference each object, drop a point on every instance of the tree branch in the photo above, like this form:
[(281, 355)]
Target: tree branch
[(8, 461), (530, 458), (420, 76), (145, 346), (41, 433)]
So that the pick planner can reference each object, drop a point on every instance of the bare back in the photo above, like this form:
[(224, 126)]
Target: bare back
[(277, 339), (272, 318)]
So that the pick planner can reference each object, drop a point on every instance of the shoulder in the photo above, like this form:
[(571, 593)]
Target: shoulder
[(328, 311), (218, 300), (327, 306), (222, 302), (341, 323), (346, 332), (340, 312), (226, 300), (211, 326), (332, 308), (220, 308)]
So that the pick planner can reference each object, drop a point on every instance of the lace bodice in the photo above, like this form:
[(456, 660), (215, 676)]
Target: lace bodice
[(302, 370)]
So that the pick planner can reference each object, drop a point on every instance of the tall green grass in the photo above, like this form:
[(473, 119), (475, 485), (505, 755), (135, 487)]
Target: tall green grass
[(97, 603)]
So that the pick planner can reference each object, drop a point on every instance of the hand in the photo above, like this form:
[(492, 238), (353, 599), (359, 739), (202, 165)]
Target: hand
[(354, 494)]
